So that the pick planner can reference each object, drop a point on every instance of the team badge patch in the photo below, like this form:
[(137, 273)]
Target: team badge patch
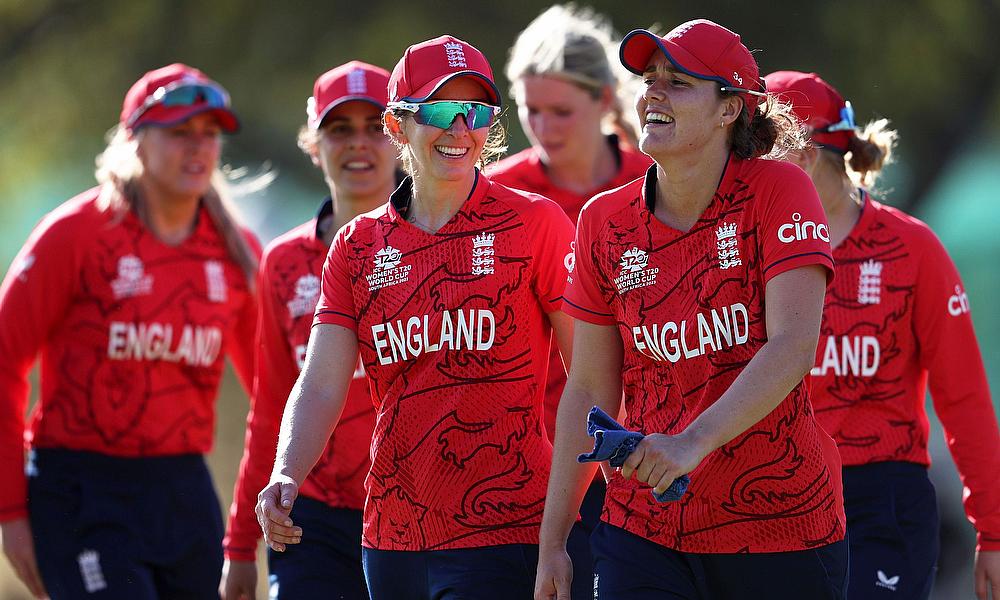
[(870, 282), (215, 281), (726, 245), (482, 254)]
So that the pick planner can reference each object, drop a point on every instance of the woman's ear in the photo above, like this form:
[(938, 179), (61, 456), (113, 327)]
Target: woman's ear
[(810, 156), (394, 127), (731, 109), (607, 98)]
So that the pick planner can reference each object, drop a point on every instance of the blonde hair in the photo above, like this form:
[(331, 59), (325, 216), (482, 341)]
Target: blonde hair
[(495, 147), (307, 140), (119, 168), (869, 151), (772, 131), (580, 46)]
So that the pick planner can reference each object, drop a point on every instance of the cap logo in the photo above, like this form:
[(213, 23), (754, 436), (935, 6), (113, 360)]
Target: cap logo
[(311, 108), (681, 29), (356, 84), (456, 55), (737, 77)]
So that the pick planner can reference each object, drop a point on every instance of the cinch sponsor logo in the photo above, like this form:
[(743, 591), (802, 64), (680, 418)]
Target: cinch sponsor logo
[(569, 261), (460, 330), (714, 331), (634, 273), (387, 270), (197, 346), (856, 355), (799, 230), (958, 304)]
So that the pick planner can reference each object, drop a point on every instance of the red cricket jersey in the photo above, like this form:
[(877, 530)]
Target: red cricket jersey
[(690, 310), (132, 334), (896, 318), (525, 171), (289, 286), (454, 339)]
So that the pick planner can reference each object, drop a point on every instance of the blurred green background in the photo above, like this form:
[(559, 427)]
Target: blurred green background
[(931, 66)]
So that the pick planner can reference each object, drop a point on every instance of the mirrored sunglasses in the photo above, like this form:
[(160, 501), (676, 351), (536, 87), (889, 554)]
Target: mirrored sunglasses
[(182, 94), (442, 113)]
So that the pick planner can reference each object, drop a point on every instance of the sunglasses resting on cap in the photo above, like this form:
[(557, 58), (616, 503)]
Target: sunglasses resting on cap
[(182, 93)]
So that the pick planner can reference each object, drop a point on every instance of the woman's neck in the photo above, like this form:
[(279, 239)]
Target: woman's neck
[(589, 169), (841, 201), (435, 201), (686, 184), (170, 218), (347, 206)]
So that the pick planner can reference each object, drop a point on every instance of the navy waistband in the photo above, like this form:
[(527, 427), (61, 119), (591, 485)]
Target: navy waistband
[(85, 461)]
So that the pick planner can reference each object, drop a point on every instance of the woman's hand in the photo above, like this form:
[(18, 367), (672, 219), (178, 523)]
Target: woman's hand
[(274, 504), (555, 574), (18, 547), (987, 574), (239, 580), (659, 459)]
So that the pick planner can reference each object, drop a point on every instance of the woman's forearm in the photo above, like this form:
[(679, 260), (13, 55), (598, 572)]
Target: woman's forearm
[(768, 378)]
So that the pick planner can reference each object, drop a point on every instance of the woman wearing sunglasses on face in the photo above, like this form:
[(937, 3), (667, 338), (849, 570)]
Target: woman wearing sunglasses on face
[(132, 292), (345, 139), (896, 321), (450, 291), (699, 289)]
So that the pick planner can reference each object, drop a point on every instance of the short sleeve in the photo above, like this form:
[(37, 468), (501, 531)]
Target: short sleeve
[(793, 228), (336, 299), (583, 297), (552, 243)]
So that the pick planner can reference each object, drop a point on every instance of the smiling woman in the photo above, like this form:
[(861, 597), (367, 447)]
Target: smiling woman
[(451, 292), (133, 293), (345, 139), (692, 296)]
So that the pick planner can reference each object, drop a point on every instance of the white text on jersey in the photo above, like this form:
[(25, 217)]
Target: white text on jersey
[(197, 346), (800, 230), (718, 329), (856, 355), (462, 330)]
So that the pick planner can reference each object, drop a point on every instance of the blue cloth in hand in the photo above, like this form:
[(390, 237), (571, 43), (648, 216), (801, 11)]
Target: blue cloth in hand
[(613, 443)]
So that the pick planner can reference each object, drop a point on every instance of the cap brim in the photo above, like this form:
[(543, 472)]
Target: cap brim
[(167, 116), (318, 122), (638, 47), (431, 88)]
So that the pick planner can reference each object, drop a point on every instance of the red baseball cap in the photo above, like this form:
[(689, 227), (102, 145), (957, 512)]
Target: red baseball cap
[(818, 105), (701, 49), (355, 80), (427, 66), (173, 94)]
